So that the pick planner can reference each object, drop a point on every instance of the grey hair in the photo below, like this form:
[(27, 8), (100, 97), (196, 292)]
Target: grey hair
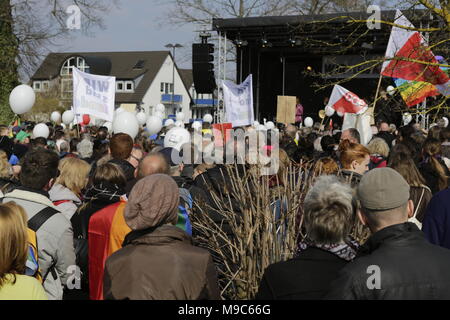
[(64, 146), (85, 148), (329, 210)]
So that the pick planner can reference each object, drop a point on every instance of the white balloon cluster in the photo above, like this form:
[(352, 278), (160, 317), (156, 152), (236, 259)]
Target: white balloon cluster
[(208, 118), (141, 118), (154, 125), (176, 137)]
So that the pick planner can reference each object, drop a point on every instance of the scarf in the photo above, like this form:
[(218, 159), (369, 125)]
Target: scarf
[(346, 251)]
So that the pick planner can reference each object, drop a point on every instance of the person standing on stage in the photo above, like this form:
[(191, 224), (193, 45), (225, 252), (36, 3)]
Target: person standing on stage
[(298, 113)]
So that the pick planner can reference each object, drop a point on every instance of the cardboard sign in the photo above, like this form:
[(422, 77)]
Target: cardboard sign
[(286, 108)]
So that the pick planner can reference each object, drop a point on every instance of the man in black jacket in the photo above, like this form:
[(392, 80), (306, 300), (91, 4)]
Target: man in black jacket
[(396, 262)]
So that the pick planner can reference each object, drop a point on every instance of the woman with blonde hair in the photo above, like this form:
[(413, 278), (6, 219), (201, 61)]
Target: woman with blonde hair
[(14, 285), (379, 152), (7, 183), (67, 192)]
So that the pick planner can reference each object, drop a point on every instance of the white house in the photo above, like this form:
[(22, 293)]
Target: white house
[(143, 78)]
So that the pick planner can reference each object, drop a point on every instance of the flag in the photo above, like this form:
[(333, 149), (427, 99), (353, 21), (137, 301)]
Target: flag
[(106, 233), (415, 92), (345, 101), (409, 44)]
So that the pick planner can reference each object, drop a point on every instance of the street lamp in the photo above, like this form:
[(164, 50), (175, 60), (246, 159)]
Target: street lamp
[(173, 47)]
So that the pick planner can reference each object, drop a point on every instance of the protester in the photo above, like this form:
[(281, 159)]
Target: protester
[(379, 152), (103, 200), (14, 285), (85, 150), (328, 217), (54, 237), (149, 264), (355, 159), (121, 146), (352, 135), (7, 180), (396, 262), (384, 133), (433, 168), (67, 191), (420, 194)]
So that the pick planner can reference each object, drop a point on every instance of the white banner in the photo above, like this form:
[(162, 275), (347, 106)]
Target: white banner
[(239, 102), (361, 123), (94, 95)]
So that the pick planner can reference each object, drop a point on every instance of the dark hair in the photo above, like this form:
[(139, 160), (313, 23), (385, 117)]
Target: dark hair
[(109, 174), (445, 134), (101, 149), (59, 134), (38, 168), (39, 142), (327, 143), (121, 145), (401, 161), (431, 150), (406, 132), (102, 133), (434, 132), (73, 144)]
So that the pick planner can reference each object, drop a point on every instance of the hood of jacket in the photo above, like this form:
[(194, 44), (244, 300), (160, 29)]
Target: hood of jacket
[(163, 235), (59, 192)]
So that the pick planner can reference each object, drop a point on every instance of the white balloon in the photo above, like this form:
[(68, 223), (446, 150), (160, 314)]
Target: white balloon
[(55, 116), (176, 137), (179, 123), (446, 121), (270, 125), (197, 125), (41, 130), (63, 126), (141, 118), (169, 122), (68, 117), (159, 114), (407, 118), (309, 122), (154, 125), (340, 114), (180, 116), (329, 111), (108, 125), (255, 124), (160, 107), (208, 118), (119, 110), (126, 123), (390, 90), (22, 99)]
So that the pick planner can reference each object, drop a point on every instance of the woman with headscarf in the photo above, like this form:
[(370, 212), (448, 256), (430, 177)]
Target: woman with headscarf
[(158, 260)]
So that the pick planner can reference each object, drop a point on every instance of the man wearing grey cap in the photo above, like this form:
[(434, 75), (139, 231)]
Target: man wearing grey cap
[(396, 262)]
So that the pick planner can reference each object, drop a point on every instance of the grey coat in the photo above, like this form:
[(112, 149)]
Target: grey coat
[(54, 238)]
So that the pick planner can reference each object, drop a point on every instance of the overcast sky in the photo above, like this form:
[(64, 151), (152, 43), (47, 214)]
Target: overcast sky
[(136, 26)]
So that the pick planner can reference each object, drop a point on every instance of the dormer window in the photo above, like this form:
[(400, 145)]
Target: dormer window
[(139, 64), (77, 62)]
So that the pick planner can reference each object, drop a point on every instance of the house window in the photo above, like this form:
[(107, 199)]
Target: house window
[(166, 87), (129, 86), (66, 88), (120, 86), (162, 87), (37, 85), (76, 62), (45, 85)]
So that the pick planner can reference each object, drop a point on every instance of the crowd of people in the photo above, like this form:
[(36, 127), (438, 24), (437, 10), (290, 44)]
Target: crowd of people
[(111, 216)]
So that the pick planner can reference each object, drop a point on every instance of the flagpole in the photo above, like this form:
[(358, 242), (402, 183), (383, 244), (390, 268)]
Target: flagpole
[(376, 95)]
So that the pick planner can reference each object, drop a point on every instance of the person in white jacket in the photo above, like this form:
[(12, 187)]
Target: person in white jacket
[(56, 254), (67, 190)]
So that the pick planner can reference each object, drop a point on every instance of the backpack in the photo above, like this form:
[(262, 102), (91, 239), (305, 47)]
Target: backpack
[(184, 208), (32, 263)]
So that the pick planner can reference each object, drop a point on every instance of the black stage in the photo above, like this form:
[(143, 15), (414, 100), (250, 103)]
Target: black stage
[(302, 52)]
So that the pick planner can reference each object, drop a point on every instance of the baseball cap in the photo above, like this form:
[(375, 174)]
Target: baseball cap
[(22, 135), (172, 156), (383, 189)]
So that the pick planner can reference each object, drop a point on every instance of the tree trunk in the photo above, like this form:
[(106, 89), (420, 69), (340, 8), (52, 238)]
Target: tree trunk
[(8, 65)]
